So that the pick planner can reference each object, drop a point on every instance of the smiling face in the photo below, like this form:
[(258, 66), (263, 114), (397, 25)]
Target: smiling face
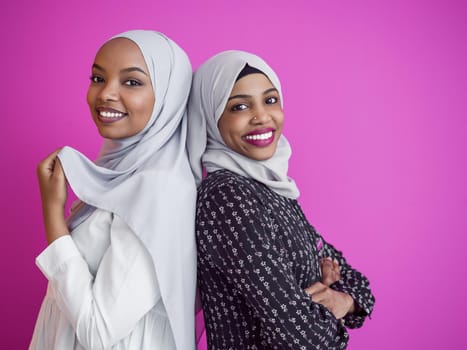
[(252, 121), (120, 96)]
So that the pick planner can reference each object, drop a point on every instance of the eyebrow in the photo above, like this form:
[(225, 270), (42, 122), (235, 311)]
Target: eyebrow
[(249, 96), (125, 70)]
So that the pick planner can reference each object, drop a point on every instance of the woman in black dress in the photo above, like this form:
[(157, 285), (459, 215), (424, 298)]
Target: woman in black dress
[(259, 260)]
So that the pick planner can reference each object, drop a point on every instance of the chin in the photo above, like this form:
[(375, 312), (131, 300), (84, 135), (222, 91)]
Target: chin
[(260, 157), (108, 135)]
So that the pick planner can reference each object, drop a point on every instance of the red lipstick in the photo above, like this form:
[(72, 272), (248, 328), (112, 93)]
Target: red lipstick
[(260, 137)]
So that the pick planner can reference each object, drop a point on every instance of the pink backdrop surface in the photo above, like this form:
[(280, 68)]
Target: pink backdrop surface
[(375, 104)]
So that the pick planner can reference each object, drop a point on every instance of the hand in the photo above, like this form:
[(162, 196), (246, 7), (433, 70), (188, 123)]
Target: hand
[(330, 271), (340, 304), (52, 181), (53, 190)]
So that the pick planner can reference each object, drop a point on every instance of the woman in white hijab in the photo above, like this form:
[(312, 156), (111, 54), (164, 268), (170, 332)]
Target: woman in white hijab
[(125, 276), (261, 266)]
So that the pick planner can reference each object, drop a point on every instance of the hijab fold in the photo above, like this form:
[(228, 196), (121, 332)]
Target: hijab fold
[(212, 85), (146, 180)]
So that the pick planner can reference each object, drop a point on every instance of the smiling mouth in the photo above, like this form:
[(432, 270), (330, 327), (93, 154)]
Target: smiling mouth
[(110, 116), (263, 136), (262, 139)]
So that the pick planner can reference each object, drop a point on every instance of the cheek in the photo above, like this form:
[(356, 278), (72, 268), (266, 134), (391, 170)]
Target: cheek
[(280, 119), (223, 132), (223, 126), (149, 105), (230, 126), (90, 97), (144, 105)]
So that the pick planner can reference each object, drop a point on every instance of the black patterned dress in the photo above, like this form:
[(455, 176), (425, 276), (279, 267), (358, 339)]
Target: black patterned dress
[(256, 255)]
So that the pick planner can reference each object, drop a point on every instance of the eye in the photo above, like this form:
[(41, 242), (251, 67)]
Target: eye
[(271, 100), (132, 82), (96, 79), (238, 107)]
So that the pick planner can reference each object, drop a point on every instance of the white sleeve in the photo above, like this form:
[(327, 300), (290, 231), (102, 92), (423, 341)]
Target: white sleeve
[(105, 309)]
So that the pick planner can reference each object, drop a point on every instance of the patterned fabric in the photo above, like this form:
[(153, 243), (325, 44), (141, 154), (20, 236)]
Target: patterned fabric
[(256, 255)]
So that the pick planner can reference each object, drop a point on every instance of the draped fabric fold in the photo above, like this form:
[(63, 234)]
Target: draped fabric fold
[(212, 84), (146, 180)]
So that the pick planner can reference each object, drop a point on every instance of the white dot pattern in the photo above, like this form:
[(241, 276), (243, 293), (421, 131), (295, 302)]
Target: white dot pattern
[(256, 255)]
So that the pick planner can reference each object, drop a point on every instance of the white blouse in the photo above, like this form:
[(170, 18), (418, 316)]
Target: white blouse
[(102, 291)]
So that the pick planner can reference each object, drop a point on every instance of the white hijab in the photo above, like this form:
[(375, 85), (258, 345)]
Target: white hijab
[(146, 180), (212, 85)]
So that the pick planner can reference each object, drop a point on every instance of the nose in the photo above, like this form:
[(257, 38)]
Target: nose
[(260, 115), (108, 92)]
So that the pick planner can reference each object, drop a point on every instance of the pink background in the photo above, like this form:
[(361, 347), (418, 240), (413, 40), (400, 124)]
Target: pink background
[(375, 103)]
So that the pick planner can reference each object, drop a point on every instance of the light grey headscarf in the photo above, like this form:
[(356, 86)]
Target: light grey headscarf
[(146, 180), (212, 84)]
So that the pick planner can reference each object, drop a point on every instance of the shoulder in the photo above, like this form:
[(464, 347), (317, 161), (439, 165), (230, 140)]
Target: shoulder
[(230, 207), (160, 182), (224, 183)]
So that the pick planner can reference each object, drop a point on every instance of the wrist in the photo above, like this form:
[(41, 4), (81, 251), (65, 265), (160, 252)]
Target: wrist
[(55, 231), (351, 308), (54, 222)]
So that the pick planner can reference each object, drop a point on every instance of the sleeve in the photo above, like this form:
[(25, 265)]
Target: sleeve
[(239, 238), (104, 309), (352, 282)]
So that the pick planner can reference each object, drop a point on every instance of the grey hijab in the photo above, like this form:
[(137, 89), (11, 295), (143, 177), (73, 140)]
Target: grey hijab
[(146, 180), (212, 84)]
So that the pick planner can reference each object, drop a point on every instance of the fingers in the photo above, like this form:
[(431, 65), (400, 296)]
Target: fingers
[(46, 166), (315, 288), (334, 301), (326, 298), (58, 169), (321, 295), (329, 262), (327, 265), (52, 181), (336, 265), (330, 271), (52, 155)]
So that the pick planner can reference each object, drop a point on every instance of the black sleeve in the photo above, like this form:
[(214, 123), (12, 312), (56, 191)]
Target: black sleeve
[(352, 282), (236, 233)]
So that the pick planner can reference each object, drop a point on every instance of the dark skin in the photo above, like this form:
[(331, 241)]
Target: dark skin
[(254, 105), (340, 304), (120, 83), (53, 188), (330, 271)]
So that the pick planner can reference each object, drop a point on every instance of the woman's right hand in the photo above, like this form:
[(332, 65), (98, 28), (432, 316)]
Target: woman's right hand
[(52, 183), (320, 292), (330, 271), (339, 303)]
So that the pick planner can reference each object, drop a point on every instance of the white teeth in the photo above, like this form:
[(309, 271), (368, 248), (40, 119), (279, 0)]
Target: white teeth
[(264, 136), (111, 114)]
